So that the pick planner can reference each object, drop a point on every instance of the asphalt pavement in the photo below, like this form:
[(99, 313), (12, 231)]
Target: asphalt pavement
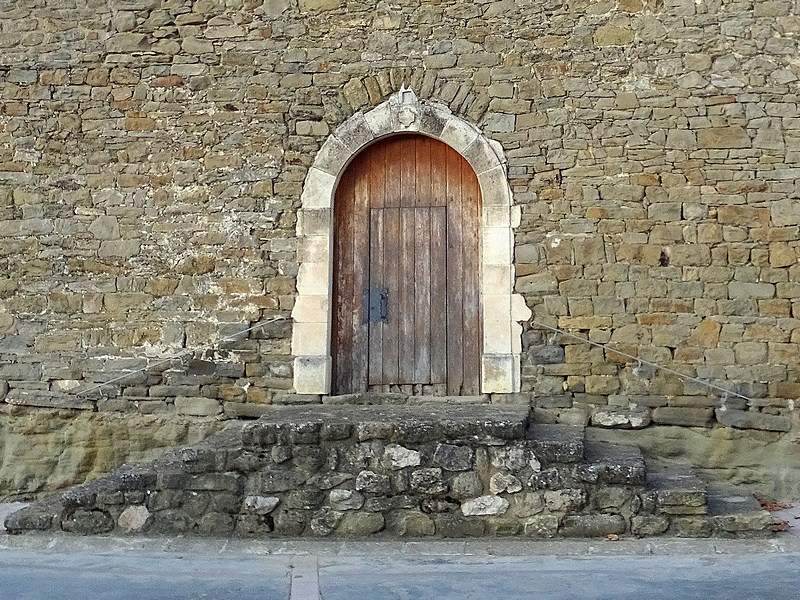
[(65, 567)]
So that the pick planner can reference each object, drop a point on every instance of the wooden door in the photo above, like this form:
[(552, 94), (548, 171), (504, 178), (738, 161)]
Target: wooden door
[(407, 218)]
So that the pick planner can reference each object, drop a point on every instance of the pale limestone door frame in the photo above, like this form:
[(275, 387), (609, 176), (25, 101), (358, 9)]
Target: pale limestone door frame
[(502, 309)]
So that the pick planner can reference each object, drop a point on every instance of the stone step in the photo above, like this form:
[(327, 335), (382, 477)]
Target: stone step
[(557, 443), (412, 424), (615, 464), (677, 492), (734, 514), (396, 470)]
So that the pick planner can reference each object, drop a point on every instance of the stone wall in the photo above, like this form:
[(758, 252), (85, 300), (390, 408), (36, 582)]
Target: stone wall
[(152, 154)]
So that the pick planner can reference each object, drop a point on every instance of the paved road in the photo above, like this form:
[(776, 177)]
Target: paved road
[(74, 568)]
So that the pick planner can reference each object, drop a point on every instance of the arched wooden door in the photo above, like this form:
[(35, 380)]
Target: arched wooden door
[(406, 271)]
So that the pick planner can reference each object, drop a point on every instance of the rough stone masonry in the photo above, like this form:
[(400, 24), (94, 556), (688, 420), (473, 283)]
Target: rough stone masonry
[(152, 160), (420, 470)]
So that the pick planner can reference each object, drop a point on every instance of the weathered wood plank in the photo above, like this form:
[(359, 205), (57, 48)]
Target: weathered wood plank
[(376, 262), (391, 267), (439, 295), (406, 295), (408, 171), (422, 148), (438, 174), (361, 246), (422, 295), (455, 295), (342, 341), (393, 159)]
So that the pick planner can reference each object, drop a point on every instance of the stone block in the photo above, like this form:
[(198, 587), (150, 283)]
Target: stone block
[(466, 484), (484, 506), (504, 482), (599, 525), (292, 399), (698, 527), (372, 482), (46, 399), (318, 190), (739, 289), (343, 500), (452, 525), (399, 457), (705, 334), (128, 42), (88, 522), (134, 519), (260, 505), (453, 458), (541, 526), (427, 481), (602, 385), (621, 418), (751, 353), (499, 373), (411, 523), (105, 228), (723, 137), (312, 374), (743, 215), (357, 523), (785, 212), (648, 525), (686, 417), (310, 339), (197, 406), (744, 419), (613, 35)]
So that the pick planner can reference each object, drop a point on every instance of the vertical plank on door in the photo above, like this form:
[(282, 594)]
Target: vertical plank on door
[(422, 295), (439, 336), (391, 252), (377, 194), (342, 340), (376, 276), (455, 297), (361, 246), (393, 157), (422, 261), (391, 272), (438, 310), (472, 332), (407, 292)]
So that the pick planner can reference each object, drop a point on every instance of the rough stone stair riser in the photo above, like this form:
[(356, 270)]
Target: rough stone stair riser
[(392, 471)]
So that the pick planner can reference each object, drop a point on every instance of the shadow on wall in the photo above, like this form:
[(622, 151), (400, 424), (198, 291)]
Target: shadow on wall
[(45, 450), (765, 462)]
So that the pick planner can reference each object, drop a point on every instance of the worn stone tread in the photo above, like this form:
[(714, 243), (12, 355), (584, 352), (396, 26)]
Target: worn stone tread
[(435, 412), (616, 464), (557, 443), (735, 514)]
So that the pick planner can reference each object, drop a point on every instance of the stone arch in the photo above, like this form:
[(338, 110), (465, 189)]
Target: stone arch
[(502, 309)]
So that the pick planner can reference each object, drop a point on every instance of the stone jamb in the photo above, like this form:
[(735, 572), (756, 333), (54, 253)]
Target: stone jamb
[(502, 310)]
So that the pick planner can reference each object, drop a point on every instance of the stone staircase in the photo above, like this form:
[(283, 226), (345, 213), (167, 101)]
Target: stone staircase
[(415, 470)]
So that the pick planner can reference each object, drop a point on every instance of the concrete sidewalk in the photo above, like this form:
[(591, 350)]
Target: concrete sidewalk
[(113, 568)]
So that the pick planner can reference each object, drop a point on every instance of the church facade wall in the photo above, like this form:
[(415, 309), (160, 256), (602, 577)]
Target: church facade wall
[(153, 157)]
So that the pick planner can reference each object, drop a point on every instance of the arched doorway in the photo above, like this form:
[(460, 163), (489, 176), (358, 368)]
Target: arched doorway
[(501, 309), (406, 302)]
